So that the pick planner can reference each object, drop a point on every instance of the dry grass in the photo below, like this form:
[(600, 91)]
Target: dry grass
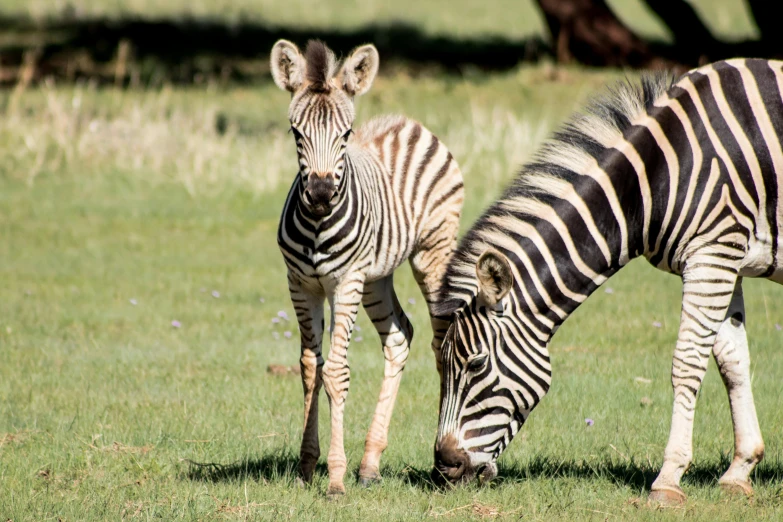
[(157, 137), (48, 130)]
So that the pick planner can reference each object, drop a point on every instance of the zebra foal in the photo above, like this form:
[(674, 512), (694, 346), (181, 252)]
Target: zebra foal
[(361, 204), (688, 174)]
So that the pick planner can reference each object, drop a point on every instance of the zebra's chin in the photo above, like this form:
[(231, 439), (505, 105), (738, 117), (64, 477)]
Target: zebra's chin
[(485, 473)]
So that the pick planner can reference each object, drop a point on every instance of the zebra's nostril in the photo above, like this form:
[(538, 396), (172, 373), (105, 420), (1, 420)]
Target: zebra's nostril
[(451, 461)]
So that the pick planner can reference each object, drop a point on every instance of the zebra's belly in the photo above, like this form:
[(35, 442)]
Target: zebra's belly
[(387, 261)]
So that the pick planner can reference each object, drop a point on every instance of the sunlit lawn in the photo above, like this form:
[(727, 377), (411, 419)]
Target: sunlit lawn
[(139, 280)]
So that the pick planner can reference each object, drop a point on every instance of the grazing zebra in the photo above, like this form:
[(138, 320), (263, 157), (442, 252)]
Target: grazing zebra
[(360, 205), (687, 174)]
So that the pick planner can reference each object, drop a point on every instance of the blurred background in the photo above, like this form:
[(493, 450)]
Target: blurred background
[(148, 42), (144, 162)]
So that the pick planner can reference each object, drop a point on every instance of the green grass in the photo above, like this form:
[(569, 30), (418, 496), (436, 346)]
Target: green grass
[(456, 18), (164, 197)]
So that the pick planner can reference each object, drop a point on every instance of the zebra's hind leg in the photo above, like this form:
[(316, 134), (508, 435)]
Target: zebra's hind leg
[(733, 358), (383, 308), (708, 286), (337, 375), (310, 315)]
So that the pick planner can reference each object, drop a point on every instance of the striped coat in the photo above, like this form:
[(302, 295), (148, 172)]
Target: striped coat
[(362, 203), (688, 174)]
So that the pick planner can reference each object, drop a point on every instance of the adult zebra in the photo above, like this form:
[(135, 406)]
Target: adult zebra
[(360, 205), (686, 174)]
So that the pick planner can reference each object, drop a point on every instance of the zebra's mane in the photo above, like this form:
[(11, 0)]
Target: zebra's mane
[(321, 65), (571, 150)]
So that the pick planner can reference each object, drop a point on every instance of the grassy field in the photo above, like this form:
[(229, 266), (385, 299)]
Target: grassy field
[(123, 213), (139, 281)]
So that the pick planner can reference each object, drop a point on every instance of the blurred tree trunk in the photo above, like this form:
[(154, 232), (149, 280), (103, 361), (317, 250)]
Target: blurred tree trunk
[(690, 34), (588, 31)]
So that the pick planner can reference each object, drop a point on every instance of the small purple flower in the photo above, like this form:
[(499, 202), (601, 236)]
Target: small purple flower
[(357, 328), (358, 338), (282, 315), (133, 302), (276, 335), (215, 294), (589, 422), (657, 324), (176, 324), (261, 300), (411, 300), (275, 320), (778, 327), (287, 334), (609, 290), (329, 328)]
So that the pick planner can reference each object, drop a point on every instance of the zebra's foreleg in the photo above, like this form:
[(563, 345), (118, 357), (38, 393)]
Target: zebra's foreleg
[(707, 291), (310, 315), (396, 331), (733, 358), (337, 375)]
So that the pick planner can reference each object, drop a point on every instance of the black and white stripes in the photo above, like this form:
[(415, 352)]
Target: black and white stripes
[(360, 206), (687, 174)]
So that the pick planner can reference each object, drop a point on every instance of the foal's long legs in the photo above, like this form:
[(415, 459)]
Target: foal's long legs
[(310, 315), (396, 333)]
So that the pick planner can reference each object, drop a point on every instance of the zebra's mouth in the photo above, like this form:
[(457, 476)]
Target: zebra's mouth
[(487, 472)]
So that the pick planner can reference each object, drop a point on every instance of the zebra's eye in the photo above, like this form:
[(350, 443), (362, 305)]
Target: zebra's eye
[(347, 134), (477, 362)]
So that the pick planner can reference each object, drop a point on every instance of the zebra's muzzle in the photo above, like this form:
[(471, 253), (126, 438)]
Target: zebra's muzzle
[(318, 195), (451, 462)]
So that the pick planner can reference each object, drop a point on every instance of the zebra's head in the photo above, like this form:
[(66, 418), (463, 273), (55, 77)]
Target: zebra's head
[(322, 113), (488, 388)]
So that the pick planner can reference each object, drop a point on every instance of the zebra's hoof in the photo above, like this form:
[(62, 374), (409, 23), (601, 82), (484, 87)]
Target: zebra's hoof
[(667, 497), (370, 480), (737, 487), (335, 491)]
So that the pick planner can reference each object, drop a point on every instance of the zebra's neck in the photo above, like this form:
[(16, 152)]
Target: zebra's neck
[(564, 249), (573, 217)]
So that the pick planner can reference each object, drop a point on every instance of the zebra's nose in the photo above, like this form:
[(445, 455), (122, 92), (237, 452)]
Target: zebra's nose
[(451, 462), (318, 194)]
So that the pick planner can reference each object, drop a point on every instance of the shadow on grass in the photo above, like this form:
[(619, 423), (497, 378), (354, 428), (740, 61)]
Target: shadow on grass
[(137, 50), (186, 50), (283, 467), (630, 473)]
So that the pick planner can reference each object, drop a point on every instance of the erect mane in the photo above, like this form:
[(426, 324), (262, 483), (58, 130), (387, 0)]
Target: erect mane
[(571, 150), (321, 64)]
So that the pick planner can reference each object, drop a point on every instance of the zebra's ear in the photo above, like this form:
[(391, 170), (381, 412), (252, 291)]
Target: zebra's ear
[(288, 66), (359, 70), (494, 277)]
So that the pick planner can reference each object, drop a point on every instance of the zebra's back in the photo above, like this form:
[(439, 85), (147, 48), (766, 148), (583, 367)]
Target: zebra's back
[(418, 186)]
